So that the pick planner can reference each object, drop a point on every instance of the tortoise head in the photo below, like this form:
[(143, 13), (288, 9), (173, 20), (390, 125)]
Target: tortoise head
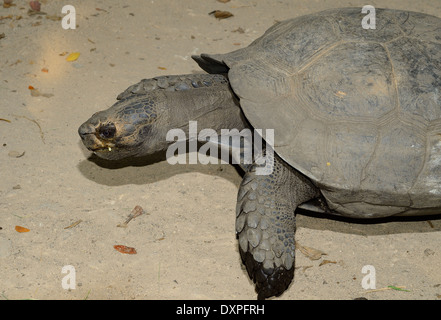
[(131, 127)]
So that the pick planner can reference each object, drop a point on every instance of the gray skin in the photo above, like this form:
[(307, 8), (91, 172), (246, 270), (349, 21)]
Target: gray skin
[(356, 115), (137, 126)]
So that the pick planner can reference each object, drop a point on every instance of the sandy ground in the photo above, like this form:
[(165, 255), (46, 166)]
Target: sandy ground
[(186, 246)]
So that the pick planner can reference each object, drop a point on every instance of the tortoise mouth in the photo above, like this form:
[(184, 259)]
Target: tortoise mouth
[(104, 149), (108, 152), (93, 143)]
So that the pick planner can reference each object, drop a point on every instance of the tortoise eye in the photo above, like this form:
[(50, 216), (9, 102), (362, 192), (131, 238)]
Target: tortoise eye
[(107, 131)]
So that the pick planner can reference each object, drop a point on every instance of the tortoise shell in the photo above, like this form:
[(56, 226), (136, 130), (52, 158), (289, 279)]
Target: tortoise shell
[(356, 110)]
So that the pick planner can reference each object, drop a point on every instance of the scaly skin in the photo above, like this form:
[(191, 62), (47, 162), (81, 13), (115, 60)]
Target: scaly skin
[(137, 125), (175, 83), (265, 224)]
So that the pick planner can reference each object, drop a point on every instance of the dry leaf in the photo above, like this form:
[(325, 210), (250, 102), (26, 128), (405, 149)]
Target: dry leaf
[(21, 229), (221, 14), (45, 70), (162, 68), (239, 30), (36, 13), (326, 262), (36, 93), (223, 1), (8, 4), (311, 253), (124, 249), (6, 17), (53, 17), (340, 94), (137, 211), (15, 63), (16, 154), (306, 268), (35, 5), (73, 56)]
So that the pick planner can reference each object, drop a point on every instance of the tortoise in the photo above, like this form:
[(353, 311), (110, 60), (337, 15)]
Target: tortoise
[(356, 115)]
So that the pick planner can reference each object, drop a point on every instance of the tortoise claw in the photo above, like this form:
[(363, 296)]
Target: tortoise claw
[(269, 282)]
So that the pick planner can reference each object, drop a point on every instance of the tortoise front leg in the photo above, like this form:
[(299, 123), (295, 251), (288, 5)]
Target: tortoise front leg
[(265, 224)]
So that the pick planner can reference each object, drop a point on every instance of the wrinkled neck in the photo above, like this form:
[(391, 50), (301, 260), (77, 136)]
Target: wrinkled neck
[(210, 107)]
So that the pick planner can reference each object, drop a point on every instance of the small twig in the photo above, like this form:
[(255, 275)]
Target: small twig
[(399, 288), (38, 125), (87, 296), (74, 224)]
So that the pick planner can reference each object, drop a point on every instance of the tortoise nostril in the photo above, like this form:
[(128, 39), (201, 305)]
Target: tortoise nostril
[(85, 129)]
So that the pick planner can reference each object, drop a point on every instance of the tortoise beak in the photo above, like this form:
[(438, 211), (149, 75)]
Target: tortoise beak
[(87, 134), (85, 129)]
